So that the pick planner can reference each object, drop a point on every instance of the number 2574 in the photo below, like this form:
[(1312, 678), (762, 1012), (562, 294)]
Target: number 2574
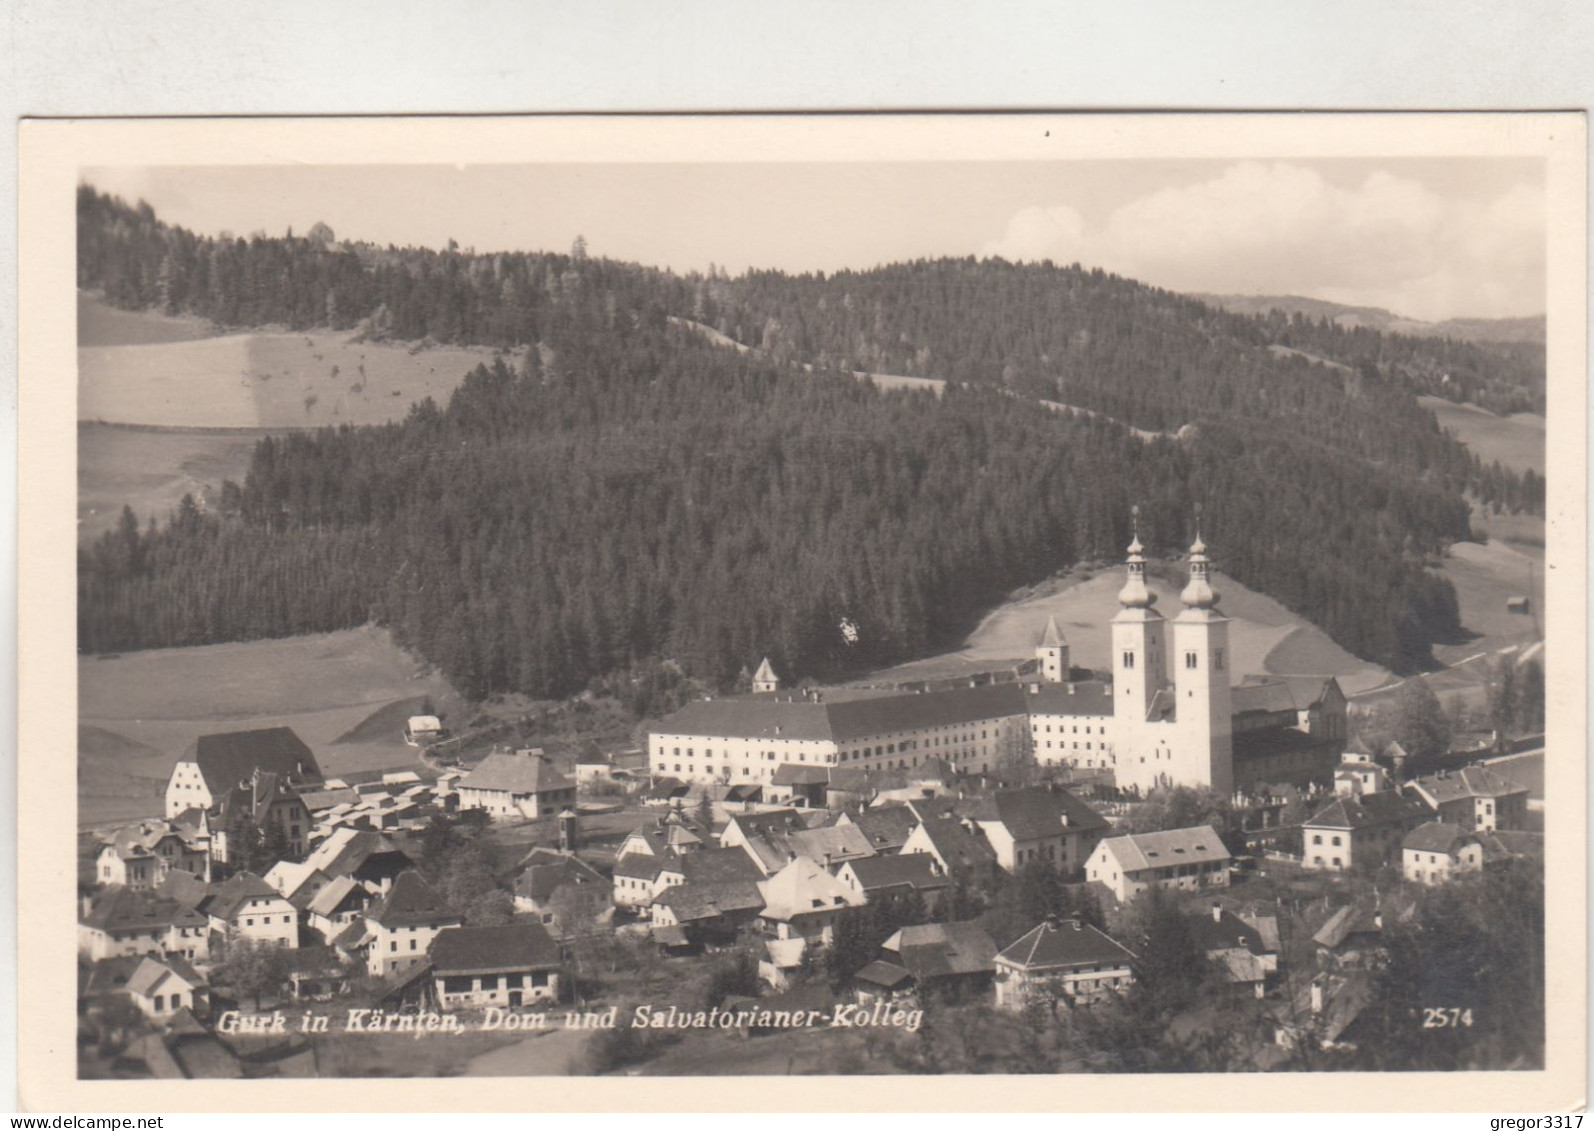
[(1446, 1018)]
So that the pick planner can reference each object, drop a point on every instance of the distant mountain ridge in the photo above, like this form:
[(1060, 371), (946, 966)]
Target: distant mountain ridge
[(1531, 328)]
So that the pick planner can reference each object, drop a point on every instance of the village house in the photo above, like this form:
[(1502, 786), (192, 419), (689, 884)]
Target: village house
[(517, 785), (711, 911), (956, 959), (675, 831), (563, 892), (1061, 959), (403, 923), (876, 877), (218, 763), (885, 827), (1190, 859), (162, 986), (1437, 851), (246, 907), (1358, 774), (369, 858), (1037, 825), (266, 800), (803, 900), (1241, 950), (636, 877), (508, 966), (341, 901), (958, 844), (120, 921), (883, 981), (140, 855), (1477, 798), (1359, 832)]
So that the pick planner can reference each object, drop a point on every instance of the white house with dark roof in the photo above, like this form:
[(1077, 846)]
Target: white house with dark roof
[(1477, 798), (140, 855), (1062, 959), (1359, 832), (1025, 826), (218, 763), (247, 907), (402, 924), (508, 966), (875, 877), (1438, 851), (803, 900), (517, 785), (120, 921), (1181, 859)]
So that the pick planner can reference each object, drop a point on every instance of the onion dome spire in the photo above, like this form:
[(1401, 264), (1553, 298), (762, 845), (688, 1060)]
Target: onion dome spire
[(1134, 594), (1199, 594)]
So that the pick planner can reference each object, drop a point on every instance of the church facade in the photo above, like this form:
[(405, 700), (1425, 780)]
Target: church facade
[(1169, 714)]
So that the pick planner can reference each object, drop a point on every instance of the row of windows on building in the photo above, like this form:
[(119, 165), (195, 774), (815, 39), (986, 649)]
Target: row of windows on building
[(465, 983)]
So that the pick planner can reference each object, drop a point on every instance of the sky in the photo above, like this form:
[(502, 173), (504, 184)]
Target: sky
[(1428, 238)]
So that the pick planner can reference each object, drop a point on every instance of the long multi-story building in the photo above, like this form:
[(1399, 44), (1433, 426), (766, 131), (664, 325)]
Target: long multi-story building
[(1168, 715)]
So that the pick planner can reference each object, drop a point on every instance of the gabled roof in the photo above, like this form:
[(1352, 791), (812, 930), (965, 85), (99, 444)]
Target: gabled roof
[(1062, 944), (152, 973), (697, 901), (327, 901), (887, 975), (226, 899), (915, 870), (1470, 781), (886, 827), (354, 936), (1226, 932), (1436, 836), (936, 950), (517, 772), (1139, 851), (225, 760), (142, 837), (714, 865), (831, 843), (347, 850), (320, 800), (1086, 697), (958, 847), (410, 903), (483, 950), (1369, 810), (545, 871), (1272, 697), (1033, 814), (185, 887), (117, 910), (802, 888), (254, 797), (788, 773), (111, 975)]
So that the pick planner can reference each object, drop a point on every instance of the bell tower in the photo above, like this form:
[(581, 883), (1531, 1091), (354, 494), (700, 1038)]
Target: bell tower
[(1204, 750), (1139, 638), (1052, 652), (765, 679)]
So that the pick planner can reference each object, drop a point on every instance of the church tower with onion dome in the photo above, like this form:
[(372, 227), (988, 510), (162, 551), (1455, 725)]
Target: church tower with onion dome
[(1139, 645), (1203, 751)]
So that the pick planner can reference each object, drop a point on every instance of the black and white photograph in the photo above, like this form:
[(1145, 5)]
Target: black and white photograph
[(1041, 610)]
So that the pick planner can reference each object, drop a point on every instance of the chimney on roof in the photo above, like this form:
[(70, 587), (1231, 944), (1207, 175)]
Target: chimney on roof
[(1070, 688), (1317, 996), (1217, 912)]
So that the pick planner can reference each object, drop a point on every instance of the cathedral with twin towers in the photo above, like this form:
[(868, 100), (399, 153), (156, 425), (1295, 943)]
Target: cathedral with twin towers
[(1168, 713)]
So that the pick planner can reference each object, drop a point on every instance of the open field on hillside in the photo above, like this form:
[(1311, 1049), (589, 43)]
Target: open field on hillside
[(1264, 636), (151, 470), (1516, 441), (101, 325), (139, 712), (265, 379)]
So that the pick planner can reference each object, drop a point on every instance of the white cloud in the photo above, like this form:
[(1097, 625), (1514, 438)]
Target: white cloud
[(1281, 228)]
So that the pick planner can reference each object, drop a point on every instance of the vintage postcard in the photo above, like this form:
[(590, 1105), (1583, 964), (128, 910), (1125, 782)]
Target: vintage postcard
[(1082, 612)]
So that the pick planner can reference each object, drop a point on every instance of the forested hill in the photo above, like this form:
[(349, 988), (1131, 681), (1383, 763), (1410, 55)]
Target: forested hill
[(629, 493)]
